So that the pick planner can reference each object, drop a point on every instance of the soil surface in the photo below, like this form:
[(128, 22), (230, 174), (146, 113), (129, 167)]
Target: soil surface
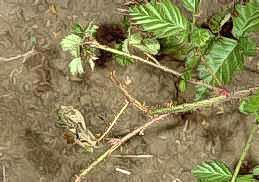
[(33, 149)]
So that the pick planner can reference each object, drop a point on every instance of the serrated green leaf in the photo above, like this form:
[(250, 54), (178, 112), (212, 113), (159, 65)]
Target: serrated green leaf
[(192, 5), (161, 18), (151, 46), (247, 19), (148, 45), (182, 85), (91, 29), (122, 60), (178, 46), (248, 46), (201, 93), (135, 38), (190, 65), (71, 43), (222, 61), (78, 30), (218, 20), (200, 37), (250, 105), (214, 171), (256, 171), (75, 66), (245, 178)]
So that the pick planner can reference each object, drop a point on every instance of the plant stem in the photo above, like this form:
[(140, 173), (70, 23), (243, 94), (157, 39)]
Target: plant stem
[(114, 121), (204, 103), (245, 150), (117, 145), (95, 44), (27, 54), (115, 51)]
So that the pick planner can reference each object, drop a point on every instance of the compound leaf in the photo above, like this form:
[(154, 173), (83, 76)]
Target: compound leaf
[(248, 46), (214, 171), (161, 18), (178, 46), (192, 5), (245, 178), (247, 19), (71, 43), (75, 66), (251, 105), (256, 171), (223, 59), (122, 60), (200, 37), (148, 45)]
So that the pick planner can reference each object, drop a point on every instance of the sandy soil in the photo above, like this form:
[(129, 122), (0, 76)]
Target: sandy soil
[(33, 149)]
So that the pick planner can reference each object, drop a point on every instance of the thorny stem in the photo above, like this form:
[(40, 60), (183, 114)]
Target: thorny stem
[(177, 109), (245, 150), (95, 44), (115, 51), (204, 103), (123, 140), (114, 121)]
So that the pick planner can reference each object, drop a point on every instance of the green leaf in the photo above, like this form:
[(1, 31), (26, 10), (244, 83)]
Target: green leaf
[(200, 37), (201, 92), (223, 59), (148, 45), (247, 19), (245, 178), (214, 171), (256, 171), (161, 18), (250, 105), (218, 20), (122, 60), (177, 46), (182, 85), (75, 66), (78, 30), (91, 29), (190, 65), (71, 43), (248, 46), (192, 5)]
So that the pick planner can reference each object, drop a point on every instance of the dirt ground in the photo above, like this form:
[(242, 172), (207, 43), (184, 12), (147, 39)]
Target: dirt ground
[(33, 149)]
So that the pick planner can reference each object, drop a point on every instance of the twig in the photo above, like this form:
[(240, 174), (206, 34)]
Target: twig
[(131, 99), (204, 103), (132, 156), (245, 150), (117, 145), (114, 121), (29, 53), (122, 171), (95, 44), (4, 176)]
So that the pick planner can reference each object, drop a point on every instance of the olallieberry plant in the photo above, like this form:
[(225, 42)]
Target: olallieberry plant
[(214, 53), (215, 171), (215, 56)]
